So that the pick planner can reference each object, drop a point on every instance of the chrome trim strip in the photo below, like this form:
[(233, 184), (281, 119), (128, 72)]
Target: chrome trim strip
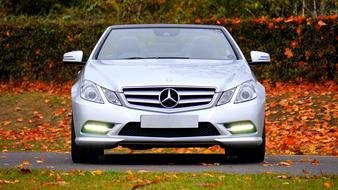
[(129, 89)]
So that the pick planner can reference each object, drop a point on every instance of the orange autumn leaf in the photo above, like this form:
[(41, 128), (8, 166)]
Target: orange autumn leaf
[(328, 184), (315, 162), (7, 122), (279, 19), (288, 53), (236, 21), (299, 31), (271, 25)]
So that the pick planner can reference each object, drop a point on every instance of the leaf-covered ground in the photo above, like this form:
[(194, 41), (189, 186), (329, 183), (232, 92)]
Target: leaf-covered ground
[(301, 119), (43, 179)]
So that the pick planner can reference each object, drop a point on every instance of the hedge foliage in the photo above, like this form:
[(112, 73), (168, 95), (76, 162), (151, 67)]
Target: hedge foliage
[(300, 48)]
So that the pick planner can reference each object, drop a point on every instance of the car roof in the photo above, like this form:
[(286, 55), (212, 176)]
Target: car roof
[(165, 26)]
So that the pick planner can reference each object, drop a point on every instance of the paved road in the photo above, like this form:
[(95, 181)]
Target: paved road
[(176, 163)]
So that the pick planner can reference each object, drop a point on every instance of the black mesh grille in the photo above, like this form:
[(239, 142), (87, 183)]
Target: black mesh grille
[(134, 129)]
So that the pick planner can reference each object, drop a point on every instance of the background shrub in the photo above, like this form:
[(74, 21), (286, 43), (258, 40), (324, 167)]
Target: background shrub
[(32, 48)]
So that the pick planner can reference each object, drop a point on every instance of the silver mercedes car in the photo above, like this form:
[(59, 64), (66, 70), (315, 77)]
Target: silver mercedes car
[(146, 86)]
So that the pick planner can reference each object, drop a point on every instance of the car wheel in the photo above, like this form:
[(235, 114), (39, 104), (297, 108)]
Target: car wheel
[(83, 154), (252, 154)]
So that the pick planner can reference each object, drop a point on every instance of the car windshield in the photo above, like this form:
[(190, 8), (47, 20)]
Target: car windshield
[(166, 43)]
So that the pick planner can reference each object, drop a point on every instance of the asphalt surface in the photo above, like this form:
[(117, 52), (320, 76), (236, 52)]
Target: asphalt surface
[(293, 165)]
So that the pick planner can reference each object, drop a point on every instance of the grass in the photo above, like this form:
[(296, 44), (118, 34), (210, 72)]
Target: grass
[(27, 108), (34, 121), (42, 179)]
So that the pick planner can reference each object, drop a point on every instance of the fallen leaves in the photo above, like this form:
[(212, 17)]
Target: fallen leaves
[(208, 175), (300, 119), (283, 177), (9, 181), (57, 180), (328, 184), (287, 163), (137, 182), (96, 172), (207, 184), (315, 162), (41, 161), (20, 119), (24, 167), (305, 171), (7, 122)]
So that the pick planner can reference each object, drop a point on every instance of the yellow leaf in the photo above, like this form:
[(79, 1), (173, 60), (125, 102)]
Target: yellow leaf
[(283, 177), (82, 173), (97, 172), (321, 23), (9, 181), (130, 176), (207, 174), (26, 162)]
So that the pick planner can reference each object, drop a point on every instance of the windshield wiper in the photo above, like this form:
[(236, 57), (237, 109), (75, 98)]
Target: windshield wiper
[(156, 58), (169, 58), (134, 58)]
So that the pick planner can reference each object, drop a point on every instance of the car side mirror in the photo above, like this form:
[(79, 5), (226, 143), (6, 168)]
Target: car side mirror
[(73, 58), (258, 57)]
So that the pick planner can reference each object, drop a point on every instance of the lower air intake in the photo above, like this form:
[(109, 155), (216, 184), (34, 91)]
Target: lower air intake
[(134, 129)]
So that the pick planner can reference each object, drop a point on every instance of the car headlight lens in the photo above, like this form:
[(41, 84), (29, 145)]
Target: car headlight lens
[(226, 96), (111, 96), (246, 92), (90, 92)]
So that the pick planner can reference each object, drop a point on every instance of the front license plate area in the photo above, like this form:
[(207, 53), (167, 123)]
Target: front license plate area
[(169, 121)]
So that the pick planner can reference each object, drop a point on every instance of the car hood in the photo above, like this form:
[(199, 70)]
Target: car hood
[(117, 74)]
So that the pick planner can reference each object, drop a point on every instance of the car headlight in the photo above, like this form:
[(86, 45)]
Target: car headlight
[(111, 96), (90, 92), (246, 92), (226, 96)]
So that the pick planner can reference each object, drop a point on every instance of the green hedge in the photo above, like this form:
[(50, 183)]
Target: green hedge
[(32, 49)]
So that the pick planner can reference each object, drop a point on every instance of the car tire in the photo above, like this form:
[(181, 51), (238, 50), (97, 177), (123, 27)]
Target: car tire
[(252, 154), (83, 154)]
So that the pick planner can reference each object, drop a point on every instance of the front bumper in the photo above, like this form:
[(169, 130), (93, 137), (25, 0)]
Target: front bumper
[(84, 111), (113, 141)]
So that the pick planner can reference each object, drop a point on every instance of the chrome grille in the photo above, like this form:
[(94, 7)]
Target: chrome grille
[(188, 96)]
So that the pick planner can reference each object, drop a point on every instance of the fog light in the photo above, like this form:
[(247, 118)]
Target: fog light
[(96, 127), (241, 127)]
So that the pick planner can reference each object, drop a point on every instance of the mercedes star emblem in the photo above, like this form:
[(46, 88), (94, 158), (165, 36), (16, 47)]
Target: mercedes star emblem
[(169, 98)]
